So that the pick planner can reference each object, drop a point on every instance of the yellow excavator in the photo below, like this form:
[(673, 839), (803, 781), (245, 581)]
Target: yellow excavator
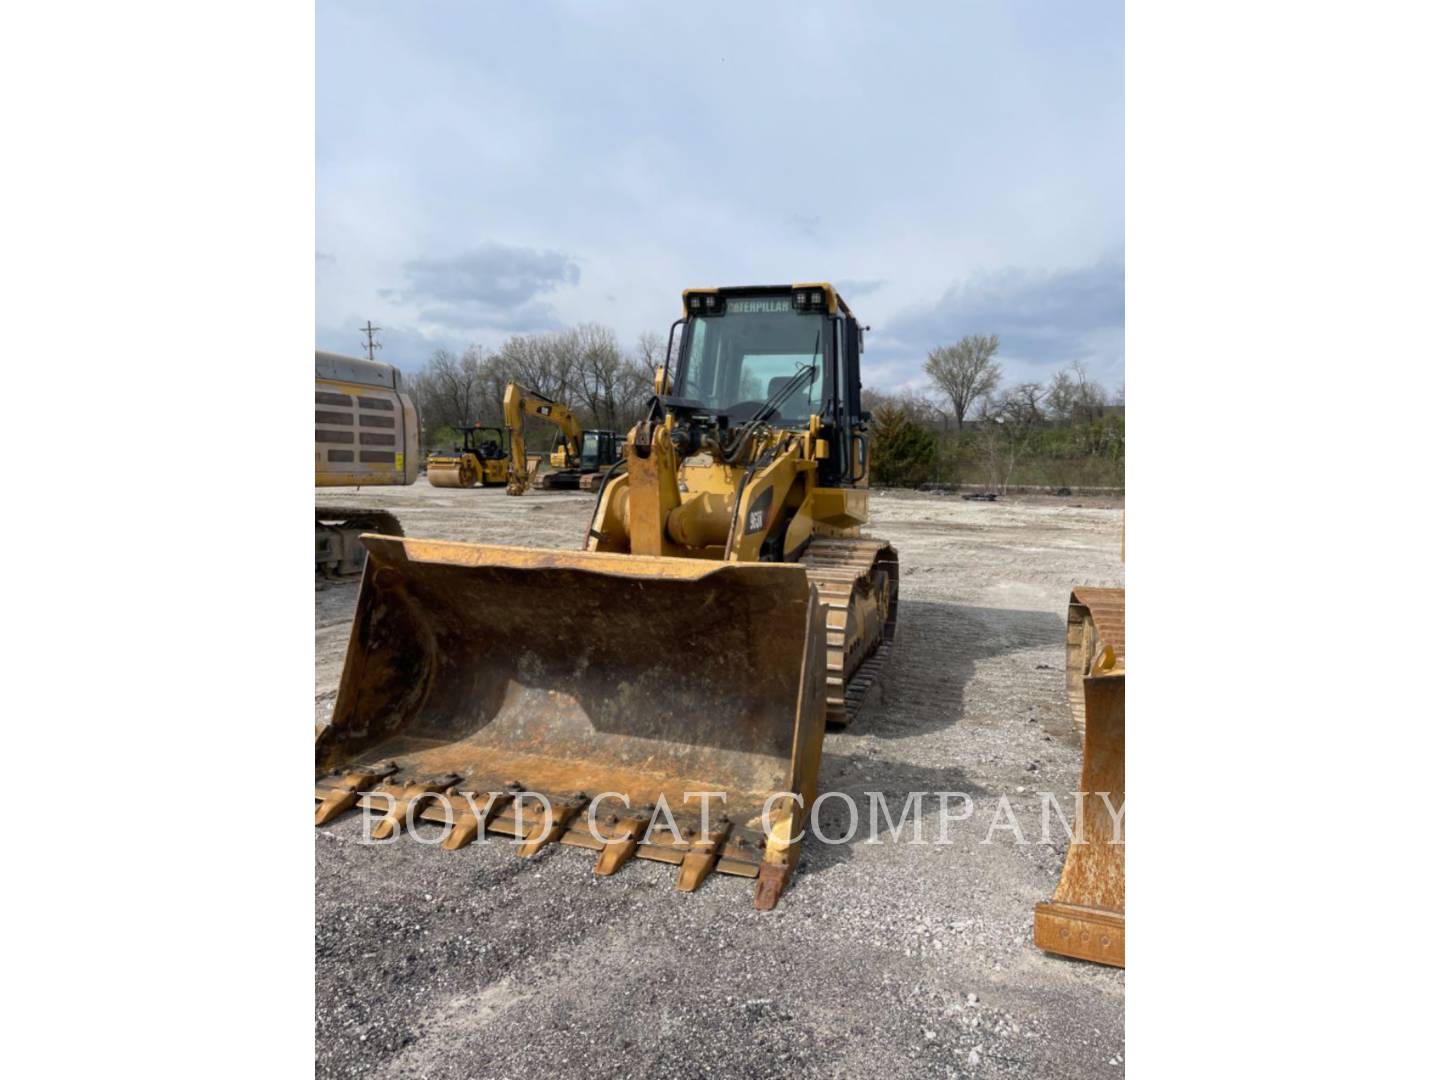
[(579, 456), (722, 609)]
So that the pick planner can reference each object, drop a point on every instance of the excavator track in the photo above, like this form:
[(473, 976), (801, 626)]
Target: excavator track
[(338, 550), (858, 583), (561, 480)]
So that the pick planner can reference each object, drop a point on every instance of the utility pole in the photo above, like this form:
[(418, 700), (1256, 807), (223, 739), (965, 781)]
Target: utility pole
[(370, 343)]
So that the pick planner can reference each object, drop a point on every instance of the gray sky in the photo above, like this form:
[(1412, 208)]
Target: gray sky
[(484, 169)]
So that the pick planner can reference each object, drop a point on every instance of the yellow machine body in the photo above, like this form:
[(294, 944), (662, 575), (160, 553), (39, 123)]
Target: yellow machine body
[(482, 460), (570, 465), (1086, 918), (367, 431), (685, 662), (367, 434)]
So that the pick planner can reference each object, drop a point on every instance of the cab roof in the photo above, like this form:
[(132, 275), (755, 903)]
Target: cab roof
[(834, 304)]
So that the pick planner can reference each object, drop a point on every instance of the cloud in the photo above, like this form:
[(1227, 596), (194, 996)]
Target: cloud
[(858, 287), (401, 344), (470, 316), (806, 225), (1045, 319), (550, 185), (493, 285), (1039, 316)]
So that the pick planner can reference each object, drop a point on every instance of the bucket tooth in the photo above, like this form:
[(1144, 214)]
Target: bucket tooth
[(335, 804), (620, 846), (551, 827), (469, 826), (700, 859), (341, 798), (414, 791), (781, 851), (770, 884)]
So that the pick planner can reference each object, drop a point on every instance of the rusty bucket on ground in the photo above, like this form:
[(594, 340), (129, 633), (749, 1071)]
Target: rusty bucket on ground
[(1086, 918), (486, 685)]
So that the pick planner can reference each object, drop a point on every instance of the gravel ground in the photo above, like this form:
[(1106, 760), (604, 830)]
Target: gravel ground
[(882, 959)]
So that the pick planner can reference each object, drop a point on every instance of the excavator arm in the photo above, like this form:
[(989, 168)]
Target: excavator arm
[(520, 403)]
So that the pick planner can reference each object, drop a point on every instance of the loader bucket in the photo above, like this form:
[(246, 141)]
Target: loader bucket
[(583, 681), (1086, 919)]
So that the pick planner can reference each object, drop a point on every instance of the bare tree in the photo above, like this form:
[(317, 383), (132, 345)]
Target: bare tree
[(546, 363), (637, 379), (600, 368), (650, 350), (1025, 402), (1060, 396), (585, 368), (1006, 425), (916, 406), (1071, 392), (965, 372), (449, 390)]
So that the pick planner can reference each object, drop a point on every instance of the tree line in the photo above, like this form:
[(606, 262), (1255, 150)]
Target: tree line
[(965, 427), (585, 367)]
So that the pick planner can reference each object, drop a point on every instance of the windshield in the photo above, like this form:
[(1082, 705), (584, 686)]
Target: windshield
[(737, 361), (485, 442)]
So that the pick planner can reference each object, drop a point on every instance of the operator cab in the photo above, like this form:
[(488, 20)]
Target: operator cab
[(598, 450), (486, 443), (781, 352)]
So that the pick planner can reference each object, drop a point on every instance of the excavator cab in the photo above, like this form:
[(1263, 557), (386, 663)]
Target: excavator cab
[(599, 450)]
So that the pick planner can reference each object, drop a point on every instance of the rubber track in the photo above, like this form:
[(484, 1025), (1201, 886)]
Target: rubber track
[(835, 567)]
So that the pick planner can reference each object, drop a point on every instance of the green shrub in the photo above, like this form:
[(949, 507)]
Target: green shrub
[(443, 438), (903, 452)]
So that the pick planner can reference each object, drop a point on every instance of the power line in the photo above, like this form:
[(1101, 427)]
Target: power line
[(370, 343)]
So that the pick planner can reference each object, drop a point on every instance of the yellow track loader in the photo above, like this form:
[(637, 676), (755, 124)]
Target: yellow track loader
[(1086, 918), (670, 700), (576, 460)]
